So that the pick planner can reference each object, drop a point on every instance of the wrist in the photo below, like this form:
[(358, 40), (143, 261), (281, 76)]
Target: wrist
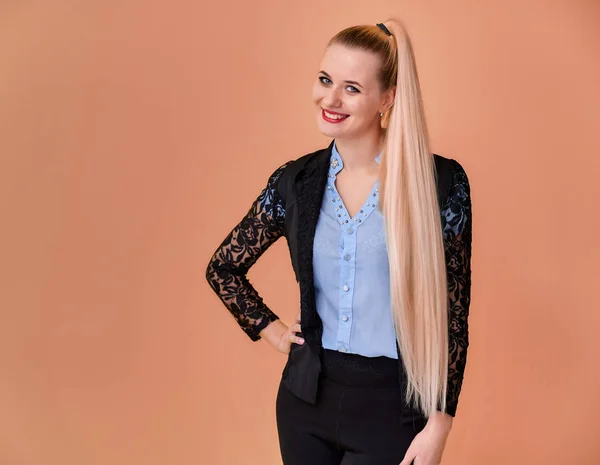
[(440, 422), (273, 331)]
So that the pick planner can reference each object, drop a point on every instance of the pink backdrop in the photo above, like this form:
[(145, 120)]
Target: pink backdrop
[(134, 136)]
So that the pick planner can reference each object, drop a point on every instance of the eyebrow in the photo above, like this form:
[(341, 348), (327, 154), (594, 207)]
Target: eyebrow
[(348, 82)]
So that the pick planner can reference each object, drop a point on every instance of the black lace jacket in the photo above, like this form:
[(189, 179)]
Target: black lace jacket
[(264, 223)]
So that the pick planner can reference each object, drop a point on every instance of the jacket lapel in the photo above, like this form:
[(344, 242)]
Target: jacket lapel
[(310, 187)]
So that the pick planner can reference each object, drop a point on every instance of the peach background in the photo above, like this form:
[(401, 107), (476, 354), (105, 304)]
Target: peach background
[(133, 137)]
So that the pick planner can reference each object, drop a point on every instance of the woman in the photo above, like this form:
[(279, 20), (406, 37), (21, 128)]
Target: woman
[(376, 357)]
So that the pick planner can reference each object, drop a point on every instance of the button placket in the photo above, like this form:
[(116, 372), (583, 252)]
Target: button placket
[(348, 229), (347, 275)]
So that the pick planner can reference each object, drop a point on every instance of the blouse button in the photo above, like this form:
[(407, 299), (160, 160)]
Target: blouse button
[(346, 287), (345, 317), (347, 257)]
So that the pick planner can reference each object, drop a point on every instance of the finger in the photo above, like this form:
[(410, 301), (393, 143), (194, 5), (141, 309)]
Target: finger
[(296, 328), (408, 457), (296, 339)]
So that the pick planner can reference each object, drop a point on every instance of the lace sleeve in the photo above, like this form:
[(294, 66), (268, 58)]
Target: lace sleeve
[(227, 268), (457, 243)]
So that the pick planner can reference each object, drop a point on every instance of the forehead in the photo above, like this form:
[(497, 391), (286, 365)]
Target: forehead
[(346, 63)]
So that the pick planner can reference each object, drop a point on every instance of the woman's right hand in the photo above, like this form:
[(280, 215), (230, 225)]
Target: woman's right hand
[(288, 336), (280, 336)]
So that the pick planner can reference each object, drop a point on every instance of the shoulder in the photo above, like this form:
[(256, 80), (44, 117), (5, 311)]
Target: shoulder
[(453, 171), (450, 165), (303, 162), (286, 174)]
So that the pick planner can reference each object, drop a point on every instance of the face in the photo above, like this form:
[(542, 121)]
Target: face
[(347, 94)]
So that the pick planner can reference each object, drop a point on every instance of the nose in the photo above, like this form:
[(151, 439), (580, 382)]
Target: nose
[(332, 98)]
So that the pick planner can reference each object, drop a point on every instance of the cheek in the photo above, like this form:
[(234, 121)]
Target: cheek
[(317, 94), (363, 109)]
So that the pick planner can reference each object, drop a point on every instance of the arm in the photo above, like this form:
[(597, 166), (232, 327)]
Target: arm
[(227, 268), (457, 234), (457, 243)]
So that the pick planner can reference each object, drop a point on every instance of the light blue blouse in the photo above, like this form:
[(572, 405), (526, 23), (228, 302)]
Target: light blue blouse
[(351, 273)]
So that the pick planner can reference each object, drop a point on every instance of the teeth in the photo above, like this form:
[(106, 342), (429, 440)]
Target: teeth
[(329, 115)]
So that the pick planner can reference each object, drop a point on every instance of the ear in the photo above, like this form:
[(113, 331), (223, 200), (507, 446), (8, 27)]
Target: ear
[(388, 99)]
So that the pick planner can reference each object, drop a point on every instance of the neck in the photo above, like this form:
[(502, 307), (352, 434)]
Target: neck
[(359, 154)]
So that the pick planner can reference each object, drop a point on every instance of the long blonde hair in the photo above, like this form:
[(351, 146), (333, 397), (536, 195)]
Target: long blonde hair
[(408, 202)]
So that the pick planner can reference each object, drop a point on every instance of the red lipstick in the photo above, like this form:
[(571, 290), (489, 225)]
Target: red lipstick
[(329, 120)]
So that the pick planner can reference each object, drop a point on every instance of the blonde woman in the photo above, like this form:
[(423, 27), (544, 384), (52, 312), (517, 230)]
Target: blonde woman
[(379, 233)]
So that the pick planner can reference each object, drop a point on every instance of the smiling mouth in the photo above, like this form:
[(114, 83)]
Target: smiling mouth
[(333, 117)]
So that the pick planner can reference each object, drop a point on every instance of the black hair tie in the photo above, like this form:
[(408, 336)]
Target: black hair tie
[(384, 29)]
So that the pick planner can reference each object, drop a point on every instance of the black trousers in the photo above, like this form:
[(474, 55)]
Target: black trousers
[(356, 419)]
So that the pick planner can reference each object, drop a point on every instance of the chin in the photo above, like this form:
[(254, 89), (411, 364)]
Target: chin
[(330, 130)]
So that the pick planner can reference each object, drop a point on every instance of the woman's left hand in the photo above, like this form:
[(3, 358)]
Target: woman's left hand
[(428, 446)]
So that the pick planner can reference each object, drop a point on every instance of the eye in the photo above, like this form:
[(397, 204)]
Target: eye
[(323, 79)]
